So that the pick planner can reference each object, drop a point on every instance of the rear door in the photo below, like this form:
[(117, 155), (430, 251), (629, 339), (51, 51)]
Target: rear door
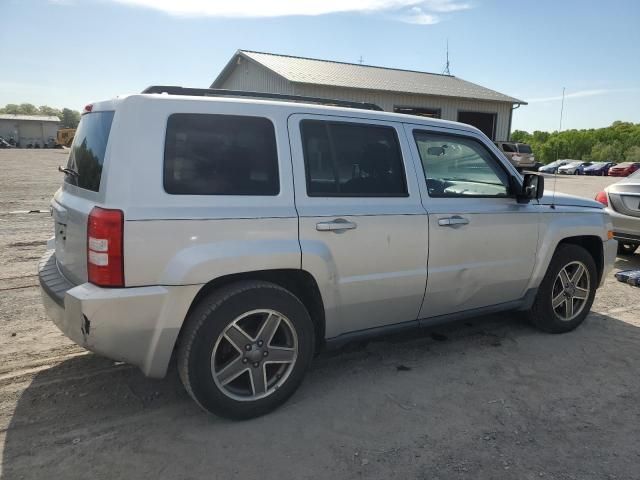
[(79, 193), (363, 230)]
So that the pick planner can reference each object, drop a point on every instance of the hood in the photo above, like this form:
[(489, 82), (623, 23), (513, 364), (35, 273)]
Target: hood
[(567, 200)]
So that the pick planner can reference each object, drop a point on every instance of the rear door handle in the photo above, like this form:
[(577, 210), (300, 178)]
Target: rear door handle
[(452, 221), (337, 225)]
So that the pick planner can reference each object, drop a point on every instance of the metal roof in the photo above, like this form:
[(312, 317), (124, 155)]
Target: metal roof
[(34, 118), (364, 77)]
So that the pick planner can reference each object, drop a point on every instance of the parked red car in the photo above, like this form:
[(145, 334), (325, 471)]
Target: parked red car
[(624, 169)]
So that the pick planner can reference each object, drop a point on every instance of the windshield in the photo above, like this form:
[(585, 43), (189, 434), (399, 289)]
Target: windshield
[(87, 151)]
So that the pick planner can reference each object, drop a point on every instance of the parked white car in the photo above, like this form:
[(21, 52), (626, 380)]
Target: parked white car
[(574, 168), (244, 234)]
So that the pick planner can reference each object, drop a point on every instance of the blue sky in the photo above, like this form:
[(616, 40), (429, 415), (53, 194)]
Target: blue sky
[(69, 52)]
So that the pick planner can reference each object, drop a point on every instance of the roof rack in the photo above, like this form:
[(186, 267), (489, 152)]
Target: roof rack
[(219, 92)]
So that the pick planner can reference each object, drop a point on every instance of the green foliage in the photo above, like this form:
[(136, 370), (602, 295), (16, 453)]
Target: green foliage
[(69, 118), (616, 143), (632, 154)]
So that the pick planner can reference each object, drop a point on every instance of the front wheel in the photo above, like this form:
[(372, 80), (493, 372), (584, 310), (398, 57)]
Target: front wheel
[(245, 349), (627, 248), (567, 291)]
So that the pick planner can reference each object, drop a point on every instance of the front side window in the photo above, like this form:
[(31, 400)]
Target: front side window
[(508, 147), (207, 154), (352, 160), (459, 167)]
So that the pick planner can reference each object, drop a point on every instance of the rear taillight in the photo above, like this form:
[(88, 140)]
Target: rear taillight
[(105, 256), (602, 198)]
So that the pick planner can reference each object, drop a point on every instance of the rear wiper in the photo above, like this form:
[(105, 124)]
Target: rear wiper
[(68, 171)]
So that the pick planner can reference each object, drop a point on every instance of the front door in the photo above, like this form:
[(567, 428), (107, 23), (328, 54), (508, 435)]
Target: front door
[(482, 243), (363, 229)]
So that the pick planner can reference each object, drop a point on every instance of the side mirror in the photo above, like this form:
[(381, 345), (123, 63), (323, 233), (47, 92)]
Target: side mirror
[(532, 188)]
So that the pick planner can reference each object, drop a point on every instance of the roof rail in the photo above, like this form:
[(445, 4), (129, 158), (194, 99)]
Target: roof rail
[(219, 92)]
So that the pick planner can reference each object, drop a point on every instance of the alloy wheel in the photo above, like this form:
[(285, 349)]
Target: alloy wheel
[(254, 355), (570, 291)]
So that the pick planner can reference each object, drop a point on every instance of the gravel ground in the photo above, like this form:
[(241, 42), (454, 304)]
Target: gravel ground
[(487, 398)]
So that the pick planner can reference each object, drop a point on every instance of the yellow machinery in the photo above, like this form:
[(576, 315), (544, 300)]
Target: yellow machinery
[(65, 136)]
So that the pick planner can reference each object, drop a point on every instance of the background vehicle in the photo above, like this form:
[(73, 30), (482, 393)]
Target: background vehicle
[(553, 166), (624, 169), (622, 200), (279, 227), (5, 144), (64, 136), (599, 168), (519, 154), (574, 168)]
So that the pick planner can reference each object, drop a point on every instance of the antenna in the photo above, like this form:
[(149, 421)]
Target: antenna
[(555, 175), (446, 70), (360, 60)]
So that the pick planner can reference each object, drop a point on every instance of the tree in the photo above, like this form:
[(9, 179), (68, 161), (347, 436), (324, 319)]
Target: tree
[(28, 109), (614, 143), (632, 154), (70, 118), (49, 111)]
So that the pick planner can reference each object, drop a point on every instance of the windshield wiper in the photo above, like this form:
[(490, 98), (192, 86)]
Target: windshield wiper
[(68, 171)]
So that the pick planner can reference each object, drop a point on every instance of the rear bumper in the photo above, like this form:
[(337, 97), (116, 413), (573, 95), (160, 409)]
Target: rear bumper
[(136, 325), (625, 227)]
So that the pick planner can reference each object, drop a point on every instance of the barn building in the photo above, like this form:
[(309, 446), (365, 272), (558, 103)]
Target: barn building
[(394, 90), (28, 130)]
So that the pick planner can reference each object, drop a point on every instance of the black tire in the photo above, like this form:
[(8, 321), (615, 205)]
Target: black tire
[(542, 313), (627, 248), (207, 322)]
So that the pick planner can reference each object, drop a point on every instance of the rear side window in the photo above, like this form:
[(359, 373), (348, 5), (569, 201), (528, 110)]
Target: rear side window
[(524, 148), (352, 160), (87, 152), (207, 154)]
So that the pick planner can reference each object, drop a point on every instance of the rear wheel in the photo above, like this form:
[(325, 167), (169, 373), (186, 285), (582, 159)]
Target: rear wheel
[(245, 349), (627, 248), (567, 291)]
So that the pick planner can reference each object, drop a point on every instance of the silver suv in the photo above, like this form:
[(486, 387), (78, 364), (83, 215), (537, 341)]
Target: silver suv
[(519, 154), (242, 235)]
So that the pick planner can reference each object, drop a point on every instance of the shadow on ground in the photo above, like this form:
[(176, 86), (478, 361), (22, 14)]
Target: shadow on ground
[(491, 398)]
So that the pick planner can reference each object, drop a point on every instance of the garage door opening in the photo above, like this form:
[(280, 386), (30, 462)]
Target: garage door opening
[(485, 122), (419, 111)]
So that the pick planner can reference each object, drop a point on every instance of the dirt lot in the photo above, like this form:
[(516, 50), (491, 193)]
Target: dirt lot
[(489, 398)]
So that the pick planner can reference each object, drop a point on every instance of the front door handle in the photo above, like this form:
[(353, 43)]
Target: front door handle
[(337, 225), (452, 221)]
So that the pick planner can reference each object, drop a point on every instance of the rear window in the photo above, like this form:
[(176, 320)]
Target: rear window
[(87, 152), (524, 148), (352, 160), (509, 147), (208, 154)]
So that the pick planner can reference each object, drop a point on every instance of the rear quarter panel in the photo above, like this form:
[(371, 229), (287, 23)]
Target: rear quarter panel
[(192, 239)]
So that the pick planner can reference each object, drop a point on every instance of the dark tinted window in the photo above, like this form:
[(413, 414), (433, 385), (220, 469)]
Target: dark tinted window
[(350, 159), (87, 151), (524, 148), (509, 147), (220, 155)]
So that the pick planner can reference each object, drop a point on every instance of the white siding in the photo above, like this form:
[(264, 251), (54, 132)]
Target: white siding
[(28, 131), (251, 76)]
